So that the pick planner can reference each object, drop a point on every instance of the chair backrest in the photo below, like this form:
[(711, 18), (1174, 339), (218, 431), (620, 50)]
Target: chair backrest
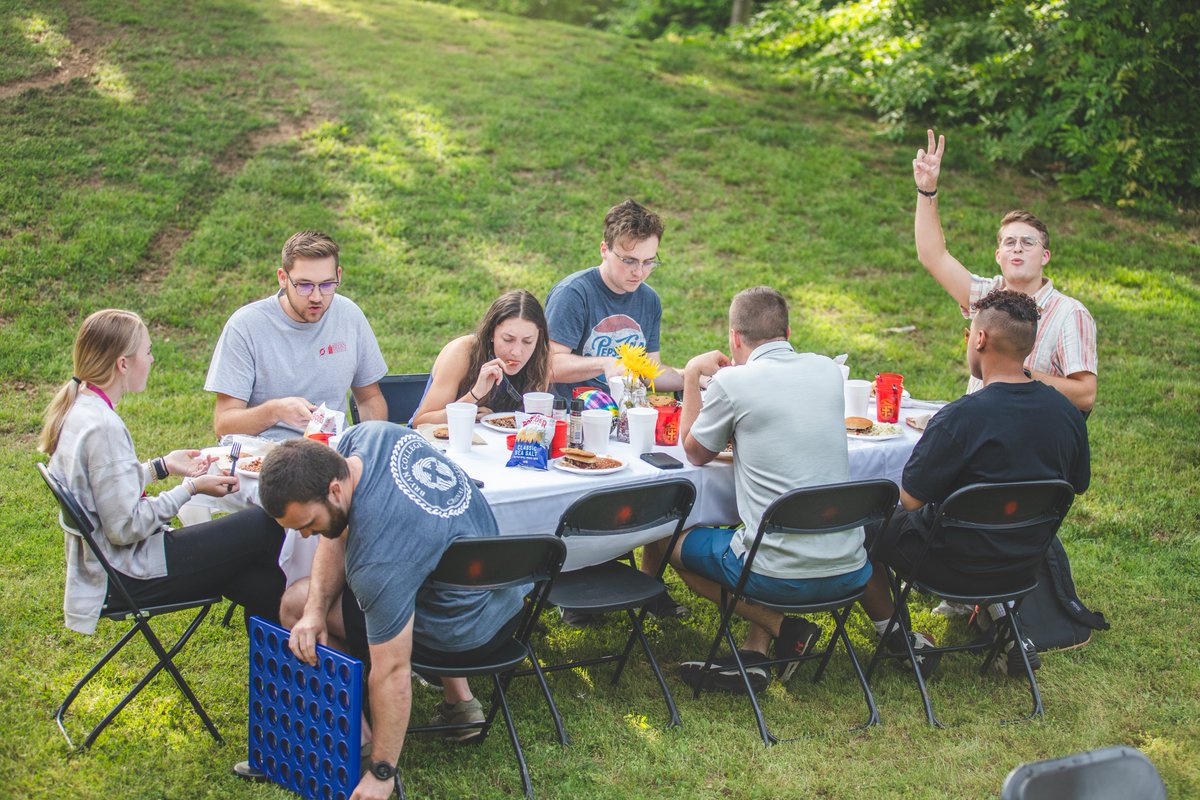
[(626, 509), (1110, 773), (74, 518), (1007, 506), (403, 394), (497, 562), (813, 510)]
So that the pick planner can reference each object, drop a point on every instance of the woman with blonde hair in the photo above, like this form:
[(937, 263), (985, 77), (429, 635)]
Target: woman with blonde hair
[(92, 453), (506, 357)]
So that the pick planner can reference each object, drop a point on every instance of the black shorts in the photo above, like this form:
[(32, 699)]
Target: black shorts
[(901, 544), (356, 637)]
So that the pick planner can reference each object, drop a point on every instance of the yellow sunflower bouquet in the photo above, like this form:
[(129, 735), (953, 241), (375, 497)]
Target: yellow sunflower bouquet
[(638, 367)]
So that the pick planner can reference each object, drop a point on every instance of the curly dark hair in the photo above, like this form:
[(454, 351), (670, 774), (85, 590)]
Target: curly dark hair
[(1010, 316)]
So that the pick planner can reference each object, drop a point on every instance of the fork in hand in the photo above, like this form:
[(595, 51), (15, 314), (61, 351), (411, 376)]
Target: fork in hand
[(235, 450)]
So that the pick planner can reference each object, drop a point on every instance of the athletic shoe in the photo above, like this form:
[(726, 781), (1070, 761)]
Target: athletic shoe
[(460, 713), (950, 610), (578, 619), (1011, 665), (666, 607), (248, 773), (724, 673), (796, 638), (926, 663)]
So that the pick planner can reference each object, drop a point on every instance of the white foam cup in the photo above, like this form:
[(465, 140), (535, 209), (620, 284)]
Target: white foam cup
[(857, 394), (460, 419), (539, 403), (641, 428), (597, 423)]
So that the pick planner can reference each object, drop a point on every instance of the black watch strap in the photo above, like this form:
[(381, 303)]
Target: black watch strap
[(160, 468), (383, 770)]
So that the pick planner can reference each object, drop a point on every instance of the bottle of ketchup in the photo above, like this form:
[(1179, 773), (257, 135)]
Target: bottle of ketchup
[(888, 388)]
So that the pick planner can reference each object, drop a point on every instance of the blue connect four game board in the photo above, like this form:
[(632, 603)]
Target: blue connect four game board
[(305, 722)]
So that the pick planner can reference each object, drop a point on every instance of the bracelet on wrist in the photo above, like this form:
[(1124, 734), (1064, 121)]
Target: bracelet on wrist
[(190, 485), (924, 193), (160, 468), (471, 392)]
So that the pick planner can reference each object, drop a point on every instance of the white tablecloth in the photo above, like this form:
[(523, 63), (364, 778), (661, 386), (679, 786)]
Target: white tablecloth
[(531, 501)]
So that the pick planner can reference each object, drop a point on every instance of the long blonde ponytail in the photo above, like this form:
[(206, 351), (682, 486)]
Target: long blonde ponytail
[(103, 338)]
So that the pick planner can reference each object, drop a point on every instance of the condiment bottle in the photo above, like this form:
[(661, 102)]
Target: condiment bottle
[(559, 409), (575, 431)]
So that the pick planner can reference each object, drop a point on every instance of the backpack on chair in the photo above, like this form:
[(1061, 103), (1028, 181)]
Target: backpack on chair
[(1053, 615)]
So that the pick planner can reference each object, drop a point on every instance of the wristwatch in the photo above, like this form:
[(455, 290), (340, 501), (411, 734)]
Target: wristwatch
[(383, 770)]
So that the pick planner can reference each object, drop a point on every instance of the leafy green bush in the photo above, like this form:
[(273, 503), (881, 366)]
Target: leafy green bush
[(1102, 92)]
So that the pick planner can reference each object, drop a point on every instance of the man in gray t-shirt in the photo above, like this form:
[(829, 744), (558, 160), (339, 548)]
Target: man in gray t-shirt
[(279, 358), (784, 413), (592, 311), (387, 506)]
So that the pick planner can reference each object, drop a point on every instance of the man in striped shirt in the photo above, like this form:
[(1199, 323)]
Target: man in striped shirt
[(1064, 352)]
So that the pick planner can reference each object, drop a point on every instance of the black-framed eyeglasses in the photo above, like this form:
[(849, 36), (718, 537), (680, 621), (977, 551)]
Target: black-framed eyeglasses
[(304, 289), (649, 265)]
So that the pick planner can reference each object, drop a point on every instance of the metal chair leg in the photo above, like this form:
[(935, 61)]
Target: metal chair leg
[(675, 720), (1039, 710), (526, 781)]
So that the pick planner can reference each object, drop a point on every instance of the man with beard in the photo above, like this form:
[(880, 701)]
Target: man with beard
[(279, 358), (387, 506)]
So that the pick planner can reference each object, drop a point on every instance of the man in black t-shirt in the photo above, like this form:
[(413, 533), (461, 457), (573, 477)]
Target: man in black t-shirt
[(1014, 429)]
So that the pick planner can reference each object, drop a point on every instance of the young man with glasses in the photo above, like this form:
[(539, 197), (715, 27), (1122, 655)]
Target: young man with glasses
[(1064, 354), (279, 358), (592, 311)]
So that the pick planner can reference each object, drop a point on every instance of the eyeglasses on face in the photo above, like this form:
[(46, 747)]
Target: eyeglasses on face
[(304, 289), (1026, 242), (648, 265)]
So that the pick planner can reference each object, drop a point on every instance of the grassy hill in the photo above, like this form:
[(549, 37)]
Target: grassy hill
[(157, 154)]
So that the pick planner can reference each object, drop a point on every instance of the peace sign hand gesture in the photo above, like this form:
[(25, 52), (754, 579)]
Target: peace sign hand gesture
[(927, 166)]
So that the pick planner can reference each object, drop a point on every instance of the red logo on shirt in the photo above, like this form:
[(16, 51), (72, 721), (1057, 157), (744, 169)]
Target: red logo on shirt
[(335, 347)]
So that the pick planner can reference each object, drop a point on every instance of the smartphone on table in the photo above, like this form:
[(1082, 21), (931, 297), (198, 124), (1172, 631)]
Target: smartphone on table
[(662, 460)]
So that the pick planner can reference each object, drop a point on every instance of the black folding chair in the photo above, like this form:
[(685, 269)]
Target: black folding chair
[(75, 522), (1110, 773), (1027, 513), (492, 563), (614, 585), (810, 511), (403, 394)]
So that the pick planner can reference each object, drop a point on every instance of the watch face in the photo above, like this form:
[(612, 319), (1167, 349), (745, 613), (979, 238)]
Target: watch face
[(383, 770)]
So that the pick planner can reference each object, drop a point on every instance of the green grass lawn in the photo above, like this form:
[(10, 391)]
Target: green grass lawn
[(455, 154)]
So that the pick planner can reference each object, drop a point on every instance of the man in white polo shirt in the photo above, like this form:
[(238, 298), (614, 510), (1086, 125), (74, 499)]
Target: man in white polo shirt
[(784, 412), (1064, 353)]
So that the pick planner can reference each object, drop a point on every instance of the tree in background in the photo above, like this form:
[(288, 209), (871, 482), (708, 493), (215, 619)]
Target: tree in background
[(1103, 92)]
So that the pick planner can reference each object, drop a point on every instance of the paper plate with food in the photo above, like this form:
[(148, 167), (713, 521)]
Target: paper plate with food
[(249, 467), (502, 421), (585, 462), (864, 428)]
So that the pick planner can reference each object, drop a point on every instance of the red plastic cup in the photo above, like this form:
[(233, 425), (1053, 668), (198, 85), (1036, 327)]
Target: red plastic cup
[(323, 438), (888, 388), (666, 430)]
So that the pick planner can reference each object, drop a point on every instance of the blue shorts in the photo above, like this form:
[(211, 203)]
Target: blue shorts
[(706, 552)]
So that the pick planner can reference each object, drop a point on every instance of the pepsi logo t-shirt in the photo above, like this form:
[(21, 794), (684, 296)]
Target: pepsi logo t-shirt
[(585, 315)]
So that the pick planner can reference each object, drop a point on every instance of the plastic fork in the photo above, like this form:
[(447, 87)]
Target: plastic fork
[(508, 387), (235, 450)]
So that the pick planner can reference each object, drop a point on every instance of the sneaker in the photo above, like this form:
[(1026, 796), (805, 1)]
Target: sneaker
[(461, 713), (950, 610), (796, 638), (248, 773), (926, 663), (1012, 666), (726, 677), (666, 607), (578, 619)]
